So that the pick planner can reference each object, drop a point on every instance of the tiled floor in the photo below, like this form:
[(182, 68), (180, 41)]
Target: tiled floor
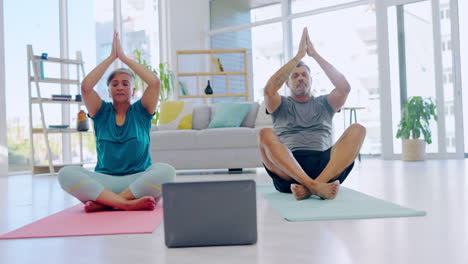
[(439, 187)]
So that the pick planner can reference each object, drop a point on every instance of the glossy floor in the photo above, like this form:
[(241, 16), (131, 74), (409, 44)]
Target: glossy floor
[(439, 187)]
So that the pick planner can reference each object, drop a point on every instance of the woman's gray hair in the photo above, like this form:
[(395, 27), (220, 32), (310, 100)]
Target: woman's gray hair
[(119, 71)]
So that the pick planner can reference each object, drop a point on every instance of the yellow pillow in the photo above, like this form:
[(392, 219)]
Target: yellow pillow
[(175, 115)]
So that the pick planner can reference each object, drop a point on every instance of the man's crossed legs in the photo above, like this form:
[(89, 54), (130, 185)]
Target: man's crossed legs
[(279, 160)]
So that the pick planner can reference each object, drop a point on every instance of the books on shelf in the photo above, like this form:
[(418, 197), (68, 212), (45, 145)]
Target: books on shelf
[(217, 63), (61, 97), (58, 126), (182, 88)]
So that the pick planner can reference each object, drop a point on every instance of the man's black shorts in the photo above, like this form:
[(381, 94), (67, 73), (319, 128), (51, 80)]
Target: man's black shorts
[(313, 163)]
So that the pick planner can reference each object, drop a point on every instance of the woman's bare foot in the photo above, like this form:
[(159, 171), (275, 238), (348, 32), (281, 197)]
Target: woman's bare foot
[(143, 203), (92, 206), (300, 192), (149, 203), (327, 190)]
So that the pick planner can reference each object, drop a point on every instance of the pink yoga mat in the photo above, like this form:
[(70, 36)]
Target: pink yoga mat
[(74, 221)]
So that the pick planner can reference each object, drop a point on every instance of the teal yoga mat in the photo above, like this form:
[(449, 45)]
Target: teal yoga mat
[(348, 204)]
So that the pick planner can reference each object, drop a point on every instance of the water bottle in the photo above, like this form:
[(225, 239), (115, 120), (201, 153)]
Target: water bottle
[(82, 123)]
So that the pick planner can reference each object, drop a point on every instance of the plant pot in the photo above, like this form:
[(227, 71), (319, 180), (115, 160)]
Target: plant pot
[(414, 150)]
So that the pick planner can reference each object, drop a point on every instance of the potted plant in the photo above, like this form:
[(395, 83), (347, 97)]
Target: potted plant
[(166, 77), (415, 116)]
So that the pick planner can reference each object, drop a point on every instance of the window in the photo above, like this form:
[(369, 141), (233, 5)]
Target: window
[(357, 28), (267, 55), (141, 30), (449, 86), (450, 142), (419, 63), (355, 59), (444, 13), (298, 6), (22, 27), (264, 42), (265, 12), (448, 77), (463, 9), (91, 25), (91, 34), (228, 13), (446, 45)]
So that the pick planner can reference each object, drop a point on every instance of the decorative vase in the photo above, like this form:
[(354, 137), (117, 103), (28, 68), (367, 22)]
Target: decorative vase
[(208, 89), (414, 150)]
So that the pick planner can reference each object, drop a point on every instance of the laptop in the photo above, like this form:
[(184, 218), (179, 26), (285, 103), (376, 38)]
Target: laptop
[(217, 213)]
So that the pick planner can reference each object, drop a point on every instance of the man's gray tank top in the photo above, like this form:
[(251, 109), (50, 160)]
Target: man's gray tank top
[(304, 125)]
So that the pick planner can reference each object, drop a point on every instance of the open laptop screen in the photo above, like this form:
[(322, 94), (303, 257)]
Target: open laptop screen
[(210, 213)]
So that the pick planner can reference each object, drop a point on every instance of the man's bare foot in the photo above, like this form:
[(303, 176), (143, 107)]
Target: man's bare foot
[(92, 206), (327, 190), (143, 203), (300, 192)]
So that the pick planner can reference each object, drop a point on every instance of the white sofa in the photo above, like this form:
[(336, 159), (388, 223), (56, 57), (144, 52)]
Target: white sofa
[(210, 148)]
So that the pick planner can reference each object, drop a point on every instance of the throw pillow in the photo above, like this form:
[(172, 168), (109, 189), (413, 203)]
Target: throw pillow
[(262, 118), (229, 115), (201, 117), (175, 115)]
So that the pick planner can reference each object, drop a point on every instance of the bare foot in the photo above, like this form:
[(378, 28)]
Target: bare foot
[(92, 206), (328, 190), (143, 203), (157, 199), (300, 192)]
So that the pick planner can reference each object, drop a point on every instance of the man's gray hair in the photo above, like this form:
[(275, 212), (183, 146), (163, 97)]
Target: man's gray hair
[(119, 71), (301, 63)]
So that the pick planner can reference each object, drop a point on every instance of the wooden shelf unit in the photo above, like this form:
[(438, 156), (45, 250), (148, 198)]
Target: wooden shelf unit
[(58, 130), (228, 74), (55, 80), (34, 79), (36, 100)]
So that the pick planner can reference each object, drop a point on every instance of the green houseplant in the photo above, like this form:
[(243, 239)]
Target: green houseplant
[(166, 77), (415, 116)]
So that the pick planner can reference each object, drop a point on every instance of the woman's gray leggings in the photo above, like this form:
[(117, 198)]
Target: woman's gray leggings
[(87, 185)]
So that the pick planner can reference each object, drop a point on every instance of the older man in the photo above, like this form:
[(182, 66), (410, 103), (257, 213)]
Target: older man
[(298, 153)]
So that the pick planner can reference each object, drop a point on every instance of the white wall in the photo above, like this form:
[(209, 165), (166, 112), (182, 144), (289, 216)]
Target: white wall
[(3, 129), (187, 25)]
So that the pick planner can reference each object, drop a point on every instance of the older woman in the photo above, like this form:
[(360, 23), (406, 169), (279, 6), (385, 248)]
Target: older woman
[(124, 176)]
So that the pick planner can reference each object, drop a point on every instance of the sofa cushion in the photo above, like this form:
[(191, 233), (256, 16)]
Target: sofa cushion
[(229, 137), (249, 120), (232, 137), (173, 139), (229, 115), (201, 117), (262, 118)]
